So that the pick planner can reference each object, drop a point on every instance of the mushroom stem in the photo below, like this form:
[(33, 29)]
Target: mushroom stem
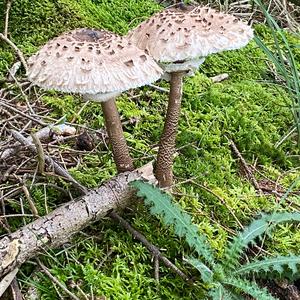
[(116, 136), (166, 151)]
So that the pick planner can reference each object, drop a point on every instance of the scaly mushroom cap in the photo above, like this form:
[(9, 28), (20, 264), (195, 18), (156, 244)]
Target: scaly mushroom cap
[(90, 61), (178, 36)]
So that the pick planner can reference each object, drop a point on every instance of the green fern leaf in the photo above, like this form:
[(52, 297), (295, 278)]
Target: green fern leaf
[(293, 266), (217, 292), (161, 205), (278, 264), (250, 288), (220, 293), (256, 229), (278, 269), (206, 273)]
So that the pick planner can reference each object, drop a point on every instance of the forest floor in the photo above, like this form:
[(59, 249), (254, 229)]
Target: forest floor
[(247, 115)]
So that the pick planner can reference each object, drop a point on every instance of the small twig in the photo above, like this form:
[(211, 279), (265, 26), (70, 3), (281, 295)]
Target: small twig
[(22, 81), (22, 215), (17, 50), (75, 285), (23, 114), (219, 78), (22, 93), (40, 153), (105, 258), (3, 221), (80, 111), (28, 197), (245, 165), (221, 200), (8, 6), (164, 90), (156, 268), (55, 280), (50, 132), (153, 249), (49, 161), (11, 169)]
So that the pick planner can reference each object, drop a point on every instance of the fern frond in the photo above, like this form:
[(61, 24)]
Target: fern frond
[(161, 205), (206, 273), (279, 264), (256, 229), (250, 288)]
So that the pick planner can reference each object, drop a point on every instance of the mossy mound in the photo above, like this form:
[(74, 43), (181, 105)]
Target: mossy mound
[(247, 108)]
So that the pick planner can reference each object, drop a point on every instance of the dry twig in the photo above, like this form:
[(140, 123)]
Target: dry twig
[(153, 249), (49, 161), (29, 198), (8, 7), (46, 133), (17, 50), (221, 200), (23, 114), (40, 152), (219, 78), (245, 165), (55, 280)]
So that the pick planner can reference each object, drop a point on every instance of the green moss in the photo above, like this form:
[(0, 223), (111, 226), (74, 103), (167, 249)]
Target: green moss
[(6, 59), (245, 63)]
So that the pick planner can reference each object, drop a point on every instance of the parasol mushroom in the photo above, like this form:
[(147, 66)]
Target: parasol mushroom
[(100, 65), (180, 40)]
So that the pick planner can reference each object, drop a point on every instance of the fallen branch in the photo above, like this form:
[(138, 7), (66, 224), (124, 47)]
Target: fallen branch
[(58, 227)]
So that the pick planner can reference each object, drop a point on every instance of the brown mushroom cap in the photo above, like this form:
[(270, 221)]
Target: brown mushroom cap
[(177, 36), (90, 61)]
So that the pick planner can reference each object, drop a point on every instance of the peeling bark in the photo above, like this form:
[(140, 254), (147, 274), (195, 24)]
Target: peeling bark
[(57, 227)]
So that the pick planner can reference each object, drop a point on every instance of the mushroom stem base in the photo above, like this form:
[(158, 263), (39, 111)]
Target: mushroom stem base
[(166, 151), (116, 136)]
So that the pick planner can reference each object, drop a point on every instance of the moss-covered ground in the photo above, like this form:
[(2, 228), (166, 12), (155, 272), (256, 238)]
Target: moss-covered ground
[(248, 108)]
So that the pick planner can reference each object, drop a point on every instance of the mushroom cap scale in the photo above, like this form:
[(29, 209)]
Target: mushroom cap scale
[(174, 35), (90, 61)]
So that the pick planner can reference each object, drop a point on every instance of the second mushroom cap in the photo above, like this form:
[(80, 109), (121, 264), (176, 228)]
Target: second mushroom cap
[(175, 35)]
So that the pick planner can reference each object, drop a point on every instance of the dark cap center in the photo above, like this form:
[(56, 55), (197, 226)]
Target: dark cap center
[(90, 35)]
